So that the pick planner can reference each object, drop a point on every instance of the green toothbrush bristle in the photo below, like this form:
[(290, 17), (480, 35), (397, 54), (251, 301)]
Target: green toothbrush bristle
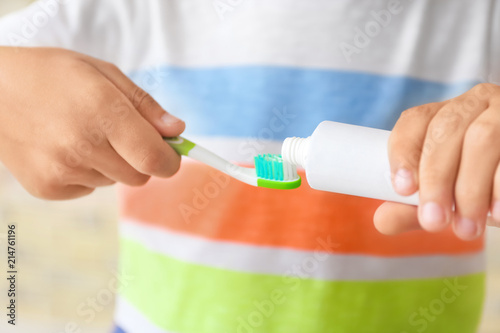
[(272, 167)]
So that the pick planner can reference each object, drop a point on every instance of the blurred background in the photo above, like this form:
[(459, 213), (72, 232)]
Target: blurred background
[(67, 256)]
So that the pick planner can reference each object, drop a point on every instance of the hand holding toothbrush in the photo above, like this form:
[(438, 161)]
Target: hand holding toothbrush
[(450, 153), (70, 123)]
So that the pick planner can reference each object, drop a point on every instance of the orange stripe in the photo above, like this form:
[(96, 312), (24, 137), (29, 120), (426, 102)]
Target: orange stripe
[(201, 201)]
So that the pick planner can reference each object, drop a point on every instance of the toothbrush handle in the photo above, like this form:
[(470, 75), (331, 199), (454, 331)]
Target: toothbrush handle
[(181, 145), (187, 148)]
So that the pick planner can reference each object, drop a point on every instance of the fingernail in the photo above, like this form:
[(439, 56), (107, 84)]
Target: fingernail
[(169, 119), (403, 180), (495, 211), (466, 228), (432, 216)]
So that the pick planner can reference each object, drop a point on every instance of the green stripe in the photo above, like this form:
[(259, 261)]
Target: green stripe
[(188, 298)]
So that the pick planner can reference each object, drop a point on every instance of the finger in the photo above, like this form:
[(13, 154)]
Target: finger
[(67, 192), (130, 134), (71, 192), (405, 146), (167, 124), (92, 179), (138, 143), (474, 184), (394, 218), (114, 167), (52, 184), (440, 160)]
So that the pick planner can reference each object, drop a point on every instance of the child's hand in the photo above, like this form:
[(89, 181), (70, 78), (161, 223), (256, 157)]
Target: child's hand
[(450, 153), (70, 123)]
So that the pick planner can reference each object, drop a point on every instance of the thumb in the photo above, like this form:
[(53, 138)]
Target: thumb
[(394, 218), (165, 123)]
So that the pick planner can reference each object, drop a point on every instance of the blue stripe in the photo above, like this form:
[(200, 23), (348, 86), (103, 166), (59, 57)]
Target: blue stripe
[(244, 101), (118, 330)]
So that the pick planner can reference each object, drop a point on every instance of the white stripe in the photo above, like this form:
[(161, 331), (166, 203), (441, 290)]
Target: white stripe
[(132, 320), (445, 40), (291, 33), (308, 264)]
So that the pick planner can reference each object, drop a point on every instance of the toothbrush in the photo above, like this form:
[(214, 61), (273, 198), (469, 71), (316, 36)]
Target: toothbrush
[(270, 170)]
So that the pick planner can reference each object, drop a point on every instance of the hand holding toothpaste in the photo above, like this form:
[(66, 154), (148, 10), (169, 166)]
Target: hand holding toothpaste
[(449, 152)]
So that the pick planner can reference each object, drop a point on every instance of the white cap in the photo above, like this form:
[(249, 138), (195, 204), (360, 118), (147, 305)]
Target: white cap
[(295, 150)]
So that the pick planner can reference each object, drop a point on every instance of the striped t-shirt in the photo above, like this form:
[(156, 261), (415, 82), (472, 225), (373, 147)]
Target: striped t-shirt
[(208, 254)]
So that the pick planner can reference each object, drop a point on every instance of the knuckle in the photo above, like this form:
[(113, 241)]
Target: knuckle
[(47, 187), (71, 156), (424, 109), (119, 110), (110, 66), (471, 103), (415, 111), (67, 141), (408, 113), (481, 133), (66, 59), (412, 158), (428, 149), (152, 162), (450, 113), (484, 89), (140, 98), (444, 125), (96, 96), (476, 98)]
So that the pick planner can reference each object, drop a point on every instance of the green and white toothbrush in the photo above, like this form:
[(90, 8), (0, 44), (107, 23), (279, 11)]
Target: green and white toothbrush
[(270, 170)]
